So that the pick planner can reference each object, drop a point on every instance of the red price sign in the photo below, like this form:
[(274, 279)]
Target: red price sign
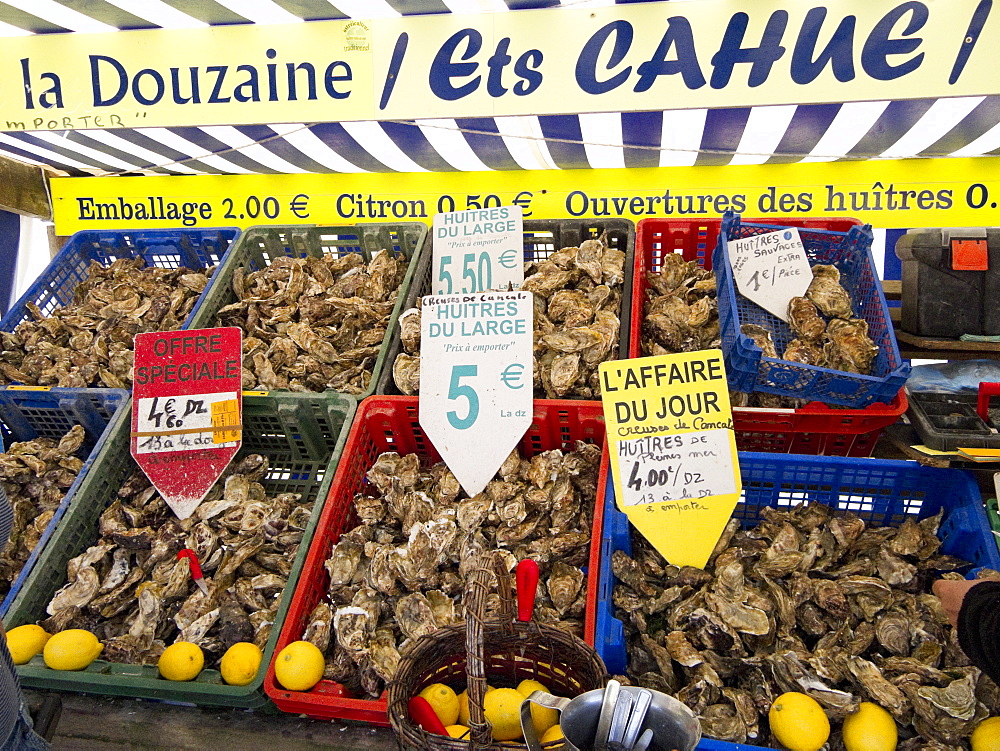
[(187, 405)]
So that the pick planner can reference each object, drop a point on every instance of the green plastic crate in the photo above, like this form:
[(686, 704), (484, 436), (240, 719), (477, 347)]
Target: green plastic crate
[(257, 247), (302, 436)]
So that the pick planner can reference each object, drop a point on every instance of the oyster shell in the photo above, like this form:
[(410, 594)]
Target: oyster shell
[(761, 337), (88, 341), (419, 537), (827, 294), (831, 632), (804, 320)]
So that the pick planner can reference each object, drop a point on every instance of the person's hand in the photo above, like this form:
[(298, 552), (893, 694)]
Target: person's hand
[(951, 592)]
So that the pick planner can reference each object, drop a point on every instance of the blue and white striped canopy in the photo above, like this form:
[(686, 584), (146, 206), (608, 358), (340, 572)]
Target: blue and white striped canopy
[(933, 128)]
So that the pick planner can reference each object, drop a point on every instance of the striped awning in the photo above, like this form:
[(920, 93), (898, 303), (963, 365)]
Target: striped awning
[(931, 128)]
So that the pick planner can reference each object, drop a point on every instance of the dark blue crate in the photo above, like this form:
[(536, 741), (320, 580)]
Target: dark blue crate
[(165, 248), (29, 413), (748, 370), (882, 492)]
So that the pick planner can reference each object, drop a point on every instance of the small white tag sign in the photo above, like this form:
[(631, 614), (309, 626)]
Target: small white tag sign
[(476, 379), (478, 250), (771, 269)]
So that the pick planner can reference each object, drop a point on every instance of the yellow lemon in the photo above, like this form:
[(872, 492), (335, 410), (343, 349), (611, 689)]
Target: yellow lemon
[(24, 642), (240, 663), (299, 666), (871, 728), (799, 722), (986, 736), (541, 717), (552, 735), (443, 701), (457, 731), (73, 649), (502, 707), (463, 705), (181, 661)]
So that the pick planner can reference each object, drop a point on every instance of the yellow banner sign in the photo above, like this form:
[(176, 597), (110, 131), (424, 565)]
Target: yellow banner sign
[(644, 56), (673, 450), (891, 194)]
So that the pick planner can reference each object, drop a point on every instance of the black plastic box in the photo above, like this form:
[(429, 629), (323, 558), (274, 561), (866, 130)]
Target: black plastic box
[(951, 281), (947, 422)]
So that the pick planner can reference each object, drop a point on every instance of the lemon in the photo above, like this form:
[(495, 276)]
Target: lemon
[(541, 717), (871, 728), (463, 705), (73, 649), (240, 663), (457, 731), (552, 735), (443, 701), (181, 661), (299, 666), (986, 736), (24, 642), (502, 707), (799, 722)]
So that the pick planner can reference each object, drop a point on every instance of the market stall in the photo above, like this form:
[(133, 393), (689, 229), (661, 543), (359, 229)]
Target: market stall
[(446, 366)]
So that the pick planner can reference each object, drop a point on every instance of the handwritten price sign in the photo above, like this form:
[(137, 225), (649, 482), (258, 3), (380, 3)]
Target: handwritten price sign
[(673, 469), (673, 450), (771, 269), (186, 410)]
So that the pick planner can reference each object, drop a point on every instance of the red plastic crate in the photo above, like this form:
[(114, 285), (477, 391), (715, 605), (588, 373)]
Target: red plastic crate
[(391, 423), (813, 429)]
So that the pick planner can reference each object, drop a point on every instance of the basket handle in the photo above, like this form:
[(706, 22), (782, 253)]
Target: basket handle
[(491, 566)]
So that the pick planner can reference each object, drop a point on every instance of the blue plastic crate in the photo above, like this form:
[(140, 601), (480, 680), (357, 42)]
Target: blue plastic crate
[(748, 370), (165, 248), (32, 413), (881, 492)]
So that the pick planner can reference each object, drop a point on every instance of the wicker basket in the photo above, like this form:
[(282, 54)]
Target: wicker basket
[(505, 649)]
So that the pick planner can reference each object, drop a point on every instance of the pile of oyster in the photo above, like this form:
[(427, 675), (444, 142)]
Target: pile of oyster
[(35, 475), (681, 315), (88, 342), (137, 597), (312, 324), (826, 333), (400, 573), (807, 601), (577, 298), (681, 311)]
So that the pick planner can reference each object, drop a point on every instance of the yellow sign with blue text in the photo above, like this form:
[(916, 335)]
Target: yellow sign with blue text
[(673, 450), (642, 56), (886, 194)]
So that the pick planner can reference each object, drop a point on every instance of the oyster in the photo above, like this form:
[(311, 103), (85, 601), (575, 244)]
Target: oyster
[(804, 352), (783, 606), (130, 587), (35, 475), (827, 294), (848, 346), (577, 293), (312, 324), (681, 312), (761, 337), (804, 319), (88, 341), (401, 572)]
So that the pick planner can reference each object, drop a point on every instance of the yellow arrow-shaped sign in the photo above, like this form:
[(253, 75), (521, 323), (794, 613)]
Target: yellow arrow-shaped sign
[(673, 450)]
